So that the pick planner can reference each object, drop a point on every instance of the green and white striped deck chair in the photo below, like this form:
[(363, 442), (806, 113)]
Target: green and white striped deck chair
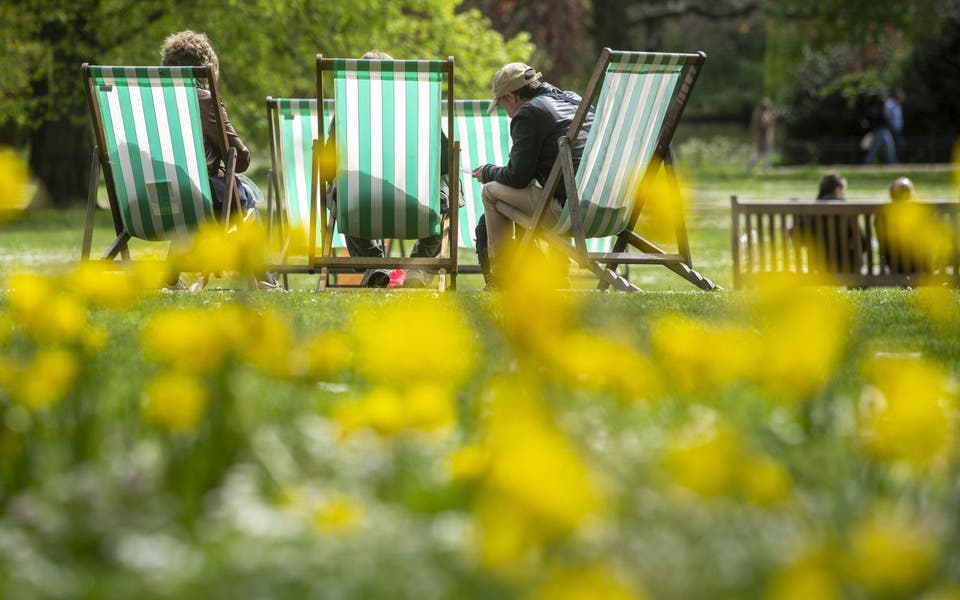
[(293, 128), (147, 127), (388, 143), (640, 97)]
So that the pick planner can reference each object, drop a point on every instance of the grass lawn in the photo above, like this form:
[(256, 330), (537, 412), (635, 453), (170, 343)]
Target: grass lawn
[(785, 443)]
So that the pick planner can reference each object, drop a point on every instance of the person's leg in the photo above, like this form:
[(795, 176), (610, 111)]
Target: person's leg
[(357, 246), (428, 247), (500, 227), (890, 150)]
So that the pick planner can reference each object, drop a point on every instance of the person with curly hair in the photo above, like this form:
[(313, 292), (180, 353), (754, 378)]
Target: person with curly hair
[(190, 49)]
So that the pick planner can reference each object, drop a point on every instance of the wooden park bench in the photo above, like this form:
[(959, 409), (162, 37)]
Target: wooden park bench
[(847, 242)]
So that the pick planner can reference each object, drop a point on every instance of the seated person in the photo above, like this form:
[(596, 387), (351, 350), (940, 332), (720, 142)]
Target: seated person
[(428, 247), (833, 189), (896, 258), (190, 49)]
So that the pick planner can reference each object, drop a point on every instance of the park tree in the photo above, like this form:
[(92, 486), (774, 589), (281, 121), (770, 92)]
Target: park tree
[(266, 47), (560, 30)]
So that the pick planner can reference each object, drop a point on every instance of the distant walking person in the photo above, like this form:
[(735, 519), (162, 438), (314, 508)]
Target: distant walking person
[(893, 114), (762, 124), (885, 119)]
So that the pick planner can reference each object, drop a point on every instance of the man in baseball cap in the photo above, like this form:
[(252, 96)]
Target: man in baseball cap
[(511, 78), (539, 114)]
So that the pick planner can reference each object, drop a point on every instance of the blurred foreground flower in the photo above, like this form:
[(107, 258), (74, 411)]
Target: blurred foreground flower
[(409, 341), (43, 311), (389, 411), (175, 401), (190, 340), (811, 575), (45, 379), (339, 515), (907, 414), (536, 488), (14, 176), (805, 331), (213, 249), (709, 458), (587, 583), (102, 284), (892, 554)]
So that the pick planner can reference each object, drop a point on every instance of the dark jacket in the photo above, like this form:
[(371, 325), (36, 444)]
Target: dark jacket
[(535, 129), (216, 154)]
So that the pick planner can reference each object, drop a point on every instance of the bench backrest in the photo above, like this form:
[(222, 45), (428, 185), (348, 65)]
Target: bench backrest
[(850, 243)]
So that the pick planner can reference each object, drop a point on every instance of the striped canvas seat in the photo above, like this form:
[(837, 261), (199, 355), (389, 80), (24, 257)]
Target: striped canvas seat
[(147, 126), (293, 129), (639, 97), (484, 138), (388, 146)]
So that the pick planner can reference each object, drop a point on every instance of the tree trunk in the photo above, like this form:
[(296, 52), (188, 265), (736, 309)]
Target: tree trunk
[(60, 153)]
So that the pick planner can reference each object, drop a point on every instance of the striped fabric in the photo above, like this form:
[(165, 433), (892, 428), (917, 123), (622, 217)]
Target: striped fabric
[(483, 138), (295, 123), (388, 147), (154, 140), (638, 89)]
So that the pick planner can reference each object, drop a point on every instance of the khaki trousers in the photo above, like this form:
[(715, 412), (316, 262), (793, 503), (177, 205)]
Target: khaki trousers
[(500, 227)]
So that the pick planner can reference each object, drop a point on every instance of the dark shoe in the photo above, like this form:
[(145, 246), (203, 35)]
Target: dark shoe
[(376, 278)]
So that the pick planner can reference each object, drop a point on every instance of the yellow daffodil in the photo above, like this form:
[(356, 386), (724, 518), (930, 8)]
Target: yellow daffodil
[(175, 401), (14, 176), (46, 379), (341, 515), (387, 337), (586, 583), (536, 487), (100, 285), (764, 481), (907, 411), (705, 458), (702, 356), (891, 553), (597, 363), (809, 576), (322, 356), (191, 340), (468, 463)]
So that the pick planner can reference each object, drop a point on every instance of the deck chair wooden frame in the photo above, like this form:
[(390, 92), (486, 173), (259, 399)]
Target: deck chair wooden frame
[(360, 92), (293, 128), (149, 145), (629, 142)]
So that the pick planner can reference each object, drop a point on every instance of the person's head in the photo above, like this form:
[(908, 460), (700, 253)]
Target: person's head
[(189, 49), (376, 55), (514, 84), (901, 190), (832, 185), (898, 95)]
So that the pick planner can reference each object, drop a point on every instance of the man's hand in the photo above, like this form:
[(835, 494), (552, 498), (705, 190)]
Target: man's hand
[(478, 173)]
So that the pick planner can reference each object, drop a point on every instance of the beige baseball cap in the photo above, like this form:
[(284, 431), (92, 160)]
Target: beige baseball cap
[(511, 78)]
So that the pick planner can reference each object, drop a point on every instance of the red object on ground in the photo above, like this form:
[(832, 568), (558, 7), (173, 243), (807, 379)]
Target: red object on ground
[(396, 277)]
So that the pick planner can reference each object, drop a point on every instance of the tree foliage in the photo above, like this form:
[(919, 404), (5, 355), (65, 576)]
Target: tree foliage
[(266, 48)]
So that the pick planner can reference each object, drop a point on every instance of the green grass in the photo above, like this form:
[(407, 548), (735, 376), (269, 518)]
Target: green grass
[(95, 503)]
